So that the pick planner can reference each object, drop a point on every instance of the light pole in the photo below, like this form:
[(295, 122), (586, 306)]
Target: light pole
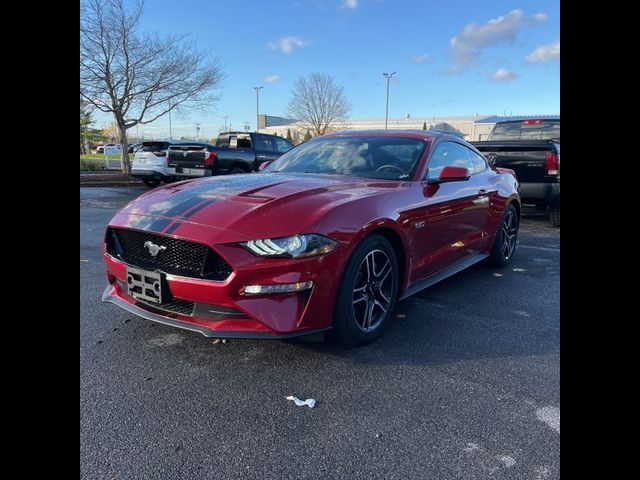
[(257, 89), (197, 131), (386, 111), (225, 122)]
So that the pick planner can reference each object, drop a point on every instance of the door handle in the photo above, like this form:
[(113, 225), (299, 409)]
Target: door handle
[(261, 157), (482, 191)]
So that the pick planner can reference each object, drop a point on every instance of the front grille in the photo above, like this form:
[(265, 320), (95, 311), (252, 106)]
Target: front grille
[(175, 306), (179, 257)]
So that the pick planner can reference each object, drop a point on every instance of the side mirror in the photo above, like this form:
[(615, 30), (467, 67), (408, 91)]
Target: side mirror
[(264, 165), (491, 159), (452, 174)]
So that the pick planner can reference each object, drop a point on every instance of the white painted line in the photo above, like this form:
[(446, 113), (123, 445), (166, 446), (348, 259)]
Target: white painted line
[(550, 416)]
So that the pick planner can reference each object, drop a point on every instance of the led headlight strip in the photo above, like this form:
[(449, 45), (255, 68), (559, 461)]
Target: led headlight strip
[(296, 246)]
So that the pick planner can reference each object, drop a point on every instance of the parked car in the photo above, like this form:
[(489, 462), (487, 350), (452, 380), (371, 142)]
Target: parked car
[(100, 149), (234, 152), (531, 148), (329, 236), (150, 164)]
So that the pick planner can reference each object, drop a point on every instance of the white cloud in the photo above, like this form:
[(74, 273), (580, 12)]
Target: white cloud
[(351, 4), (539, 17), (468, 44), (422, 58), (545, 53), (503, 75), (287, 44), (271, 78)]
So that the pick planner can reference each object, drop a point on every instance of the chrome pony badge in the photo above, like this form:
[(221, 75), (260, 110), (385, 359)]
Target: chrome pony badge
[(153, 248)]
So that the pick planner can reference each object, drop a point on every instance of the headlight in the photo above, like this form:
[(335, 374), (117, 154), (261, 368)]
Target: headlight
[(297, 246)]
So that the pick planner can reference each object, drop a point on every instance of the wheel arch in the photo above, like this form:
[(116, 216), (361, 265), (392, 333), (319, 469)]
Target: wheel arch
[(399, 248), (516, 204), (240, 164)]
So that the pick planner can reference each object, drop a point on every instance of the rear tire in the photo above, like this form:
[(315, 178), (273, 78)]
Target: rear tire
[(367, 294), (237, 170), (506, 238), (151, 182), (554, 215)]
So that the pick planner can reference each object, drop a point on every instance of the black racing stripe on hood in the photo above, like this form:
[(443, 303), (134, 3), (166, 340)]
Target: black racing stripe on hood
[(189, 214), (173, 227), (181, 201), (182, 207), (159, 225), (189, 200)]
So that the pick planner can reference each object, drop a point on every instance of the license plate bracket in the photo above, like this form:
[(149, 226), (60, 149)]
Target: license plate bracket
[(145, 285)]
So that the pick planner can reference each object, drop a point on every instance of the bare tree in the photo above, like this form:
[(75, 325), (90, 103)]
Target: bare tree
[(139, 77), (318, 103)]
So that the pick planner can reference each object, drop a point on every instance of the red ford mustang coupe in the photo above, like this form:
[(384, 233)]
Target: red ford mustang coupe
[(329, 236)]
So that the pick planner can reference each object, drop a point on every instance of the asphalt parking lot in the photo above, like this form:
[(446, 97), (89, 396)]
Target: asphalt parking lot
[(464, 385)]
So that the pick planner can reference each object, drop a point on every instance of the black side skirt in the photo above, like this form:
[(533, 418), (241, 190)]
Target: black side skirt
[(442, 274)]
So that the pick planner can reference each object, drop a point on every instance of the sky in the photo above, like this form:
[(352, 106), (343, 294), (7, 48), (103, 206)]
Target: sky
[(457, 57)]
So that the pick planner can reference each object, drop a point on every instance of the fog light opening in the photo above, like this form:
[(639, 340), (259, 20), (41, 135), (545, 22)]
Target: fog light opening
[(281, 288)]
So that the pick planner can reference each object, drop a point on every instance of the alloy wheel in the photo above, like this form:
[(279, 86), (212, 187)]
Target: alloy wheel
[(509, 234), (372, 290)]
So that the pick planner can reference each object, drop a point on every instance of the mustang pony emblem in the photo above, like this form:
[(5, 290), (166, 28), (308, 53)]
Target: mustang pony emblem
[(153, 248)]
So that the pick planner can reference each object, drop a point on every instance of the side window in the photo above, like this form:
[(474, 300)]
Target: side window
[(244, 141), (282, 146), (263, 144), (479, 163), (449, 154)]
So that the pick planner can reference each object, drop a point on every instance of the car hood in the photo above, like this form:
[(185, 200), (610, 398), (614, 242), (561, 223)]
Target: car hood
[(249, 206)]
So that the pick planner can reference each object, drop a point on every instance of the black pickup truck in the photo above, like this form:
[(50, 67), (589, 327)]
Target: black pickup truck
[(234, 152), (531, 148)]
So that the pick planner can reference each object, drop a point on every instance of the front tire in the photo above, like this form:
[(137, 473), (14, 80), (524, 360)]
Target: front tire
[(506, 238), (368, 292)]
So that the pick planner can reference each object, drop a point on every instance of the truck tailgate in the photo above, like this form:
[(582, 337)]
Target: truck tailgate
[(188, 156), (526, 158)]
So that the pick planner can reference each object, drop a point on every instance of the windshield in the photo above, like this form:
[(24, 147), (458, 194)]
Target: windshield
[(374, 157)]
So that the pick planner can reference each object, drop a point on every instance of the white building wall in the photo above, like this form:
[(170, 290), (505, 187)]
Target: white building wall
[(466, 125)]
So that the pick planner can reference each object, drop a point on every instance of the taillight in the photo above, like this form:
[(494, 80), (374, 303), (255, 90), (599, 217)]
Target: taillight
[(211, 158), (160, 153), (552, 163)]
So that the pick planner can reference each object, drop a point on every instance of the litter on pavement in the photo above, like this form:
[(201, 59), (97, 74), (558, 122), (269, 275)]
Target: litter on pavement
[(310, 402)]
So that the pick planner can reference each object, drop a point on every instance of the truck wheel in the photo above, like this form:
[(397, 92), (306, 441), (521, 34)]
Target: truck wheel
[(554, 215), (236, 170), (151, 182)]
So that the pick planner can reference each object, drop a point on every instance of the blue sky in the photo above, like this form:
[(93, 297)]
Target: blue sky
[(458, 57)]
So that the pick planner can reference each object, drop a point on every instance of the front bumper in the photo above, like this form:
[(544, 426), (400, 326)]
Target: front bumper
[(148, 173), (237, 315), (110, 296)]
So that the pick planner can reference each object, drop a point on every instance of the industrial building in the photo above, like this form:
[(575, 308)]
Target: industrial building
[(472, 128)]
